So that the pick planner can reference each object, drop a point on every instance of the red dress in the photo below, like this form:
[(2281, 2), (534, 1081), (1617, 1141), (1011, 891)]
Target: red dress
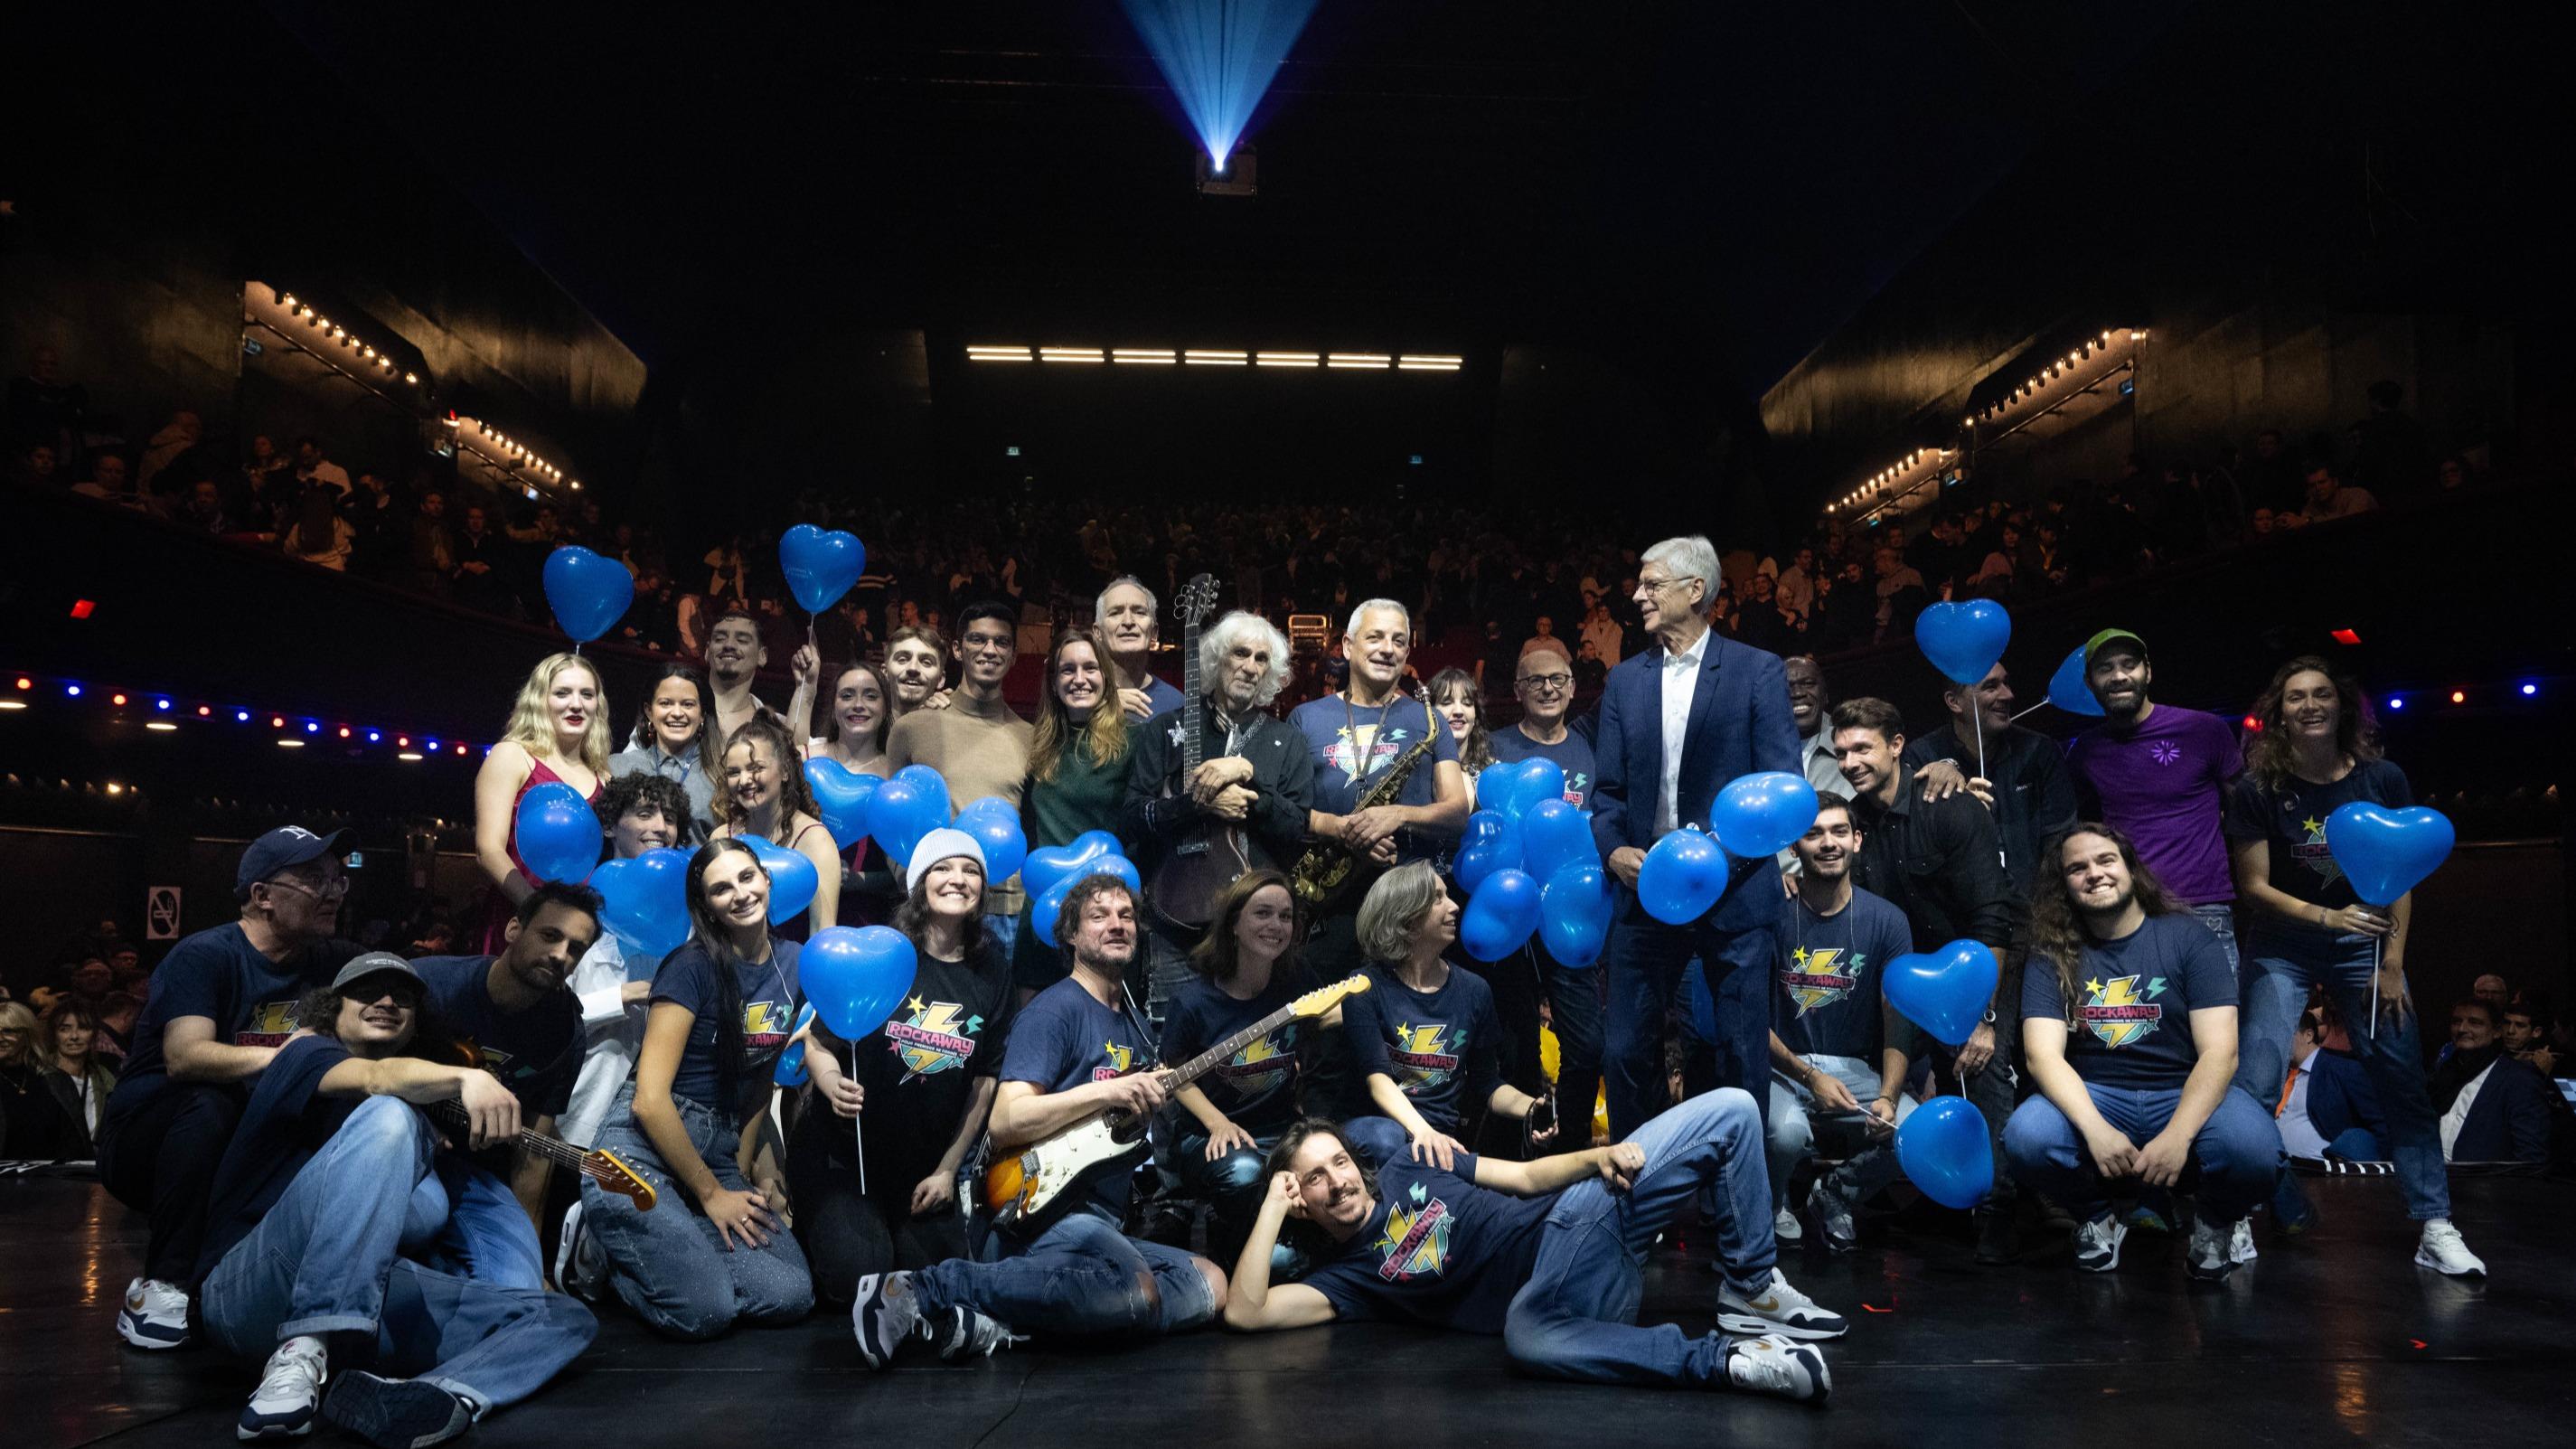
[(498, 908)]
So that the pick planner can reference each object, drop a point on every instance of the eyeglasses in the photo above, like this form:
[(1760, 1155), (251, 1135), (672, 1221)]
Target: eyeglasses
[(332, 889), (1656, 586), (1546, 681), (988, 641)]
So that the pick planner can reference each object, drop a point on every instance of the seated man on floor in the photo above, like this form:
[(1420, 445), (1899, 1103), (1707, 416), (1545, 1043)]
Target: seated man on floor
[(2129, 1021), (2327, 1109), (1838, 1055), (1551, 1254), (331, 1180), (2494, 1108), (1075, 1050)]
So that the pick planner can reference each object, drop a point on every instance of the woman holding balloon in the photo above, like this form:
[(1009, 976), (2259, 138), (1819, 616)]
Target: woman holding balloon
[(557, 734), (717, 1252), (762, 794), (1077, 773), (2307, 924), (920, 1085)]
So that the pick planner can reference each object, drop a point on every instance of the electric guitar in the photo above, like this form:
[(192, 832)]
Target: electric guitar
[(605, 1168), (1196, 868), (1030, 1188)]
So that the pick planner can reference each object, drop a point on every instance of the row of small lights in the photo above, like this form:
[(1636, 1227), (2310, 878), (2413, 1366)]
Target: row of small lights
[(383, 362), (166, 712), (1218, 357), (2038, 383), (510, 453)]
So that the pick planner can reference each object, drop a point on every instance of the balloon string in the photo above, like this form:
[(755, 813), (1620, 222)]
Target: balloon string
[(1979, 714), (2043, 704), (2374, 988), (858, 1133)]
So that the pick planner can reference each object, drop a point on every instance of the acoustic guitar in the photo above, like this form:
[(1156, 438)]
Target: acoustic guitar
[(1028, 1189), (1196, 868), (600, 1166)]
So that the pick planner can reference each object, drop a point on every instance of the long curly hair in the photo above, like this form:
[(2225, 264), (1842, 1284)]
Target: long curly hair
[(1476, 751), (795, 797), (2268, 755), (531, 723), (2057, 928), (1102, 738)]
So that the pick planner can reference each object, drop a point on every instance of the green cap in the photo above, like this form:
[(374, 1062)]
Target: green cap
[(2108, 637)]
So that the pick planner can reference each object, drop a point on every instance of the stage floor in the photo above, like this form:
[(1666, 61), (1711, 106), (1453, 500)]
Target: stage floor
[(2336, 1338)]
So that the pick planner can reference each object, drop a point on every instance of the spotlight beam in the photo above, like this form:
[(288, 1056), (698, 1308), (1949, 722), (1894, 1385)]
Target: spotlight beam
[(1219, 56)]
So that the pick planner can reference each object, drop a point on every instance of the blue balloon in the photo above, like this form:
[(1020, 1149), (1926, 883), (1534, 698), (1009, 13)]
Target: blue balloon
[(1500, 916), (1963, 641), (1943, 991), (2386, 853), (1555, 835), (1944, 1149), (1574, 914), (841, 797), (2067, 689), (645, 901), (1531, 781), (792, 879), (1048, 907), (820, 566), (1492, 843), (1683, 876), (899, 814), (856, 976), (933, 787), (790, 1071), (557, 833), (995, 824), (1041, 869), (1758, 815), (589, 593)]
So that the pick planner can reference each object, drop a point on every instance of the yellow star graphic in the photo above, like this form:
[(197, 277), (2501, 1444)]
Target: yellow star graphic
[(2312, 825), (1799, 956), (917, 1005), (2094, 986)]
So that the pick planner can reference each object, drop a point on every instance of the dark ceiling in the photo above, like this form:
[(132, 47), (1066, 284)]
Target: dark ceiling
[(1717, 184)]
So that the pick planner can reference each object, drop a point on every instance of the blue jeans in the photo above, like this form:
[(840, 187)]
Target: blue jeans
[(483, 1233), (2238, 1149), (2280, 966), (327, 1259), (1080, 1276), (1644, 959), (1576, 1318), (672, 1267), (1789, 1136), (2220, 918)]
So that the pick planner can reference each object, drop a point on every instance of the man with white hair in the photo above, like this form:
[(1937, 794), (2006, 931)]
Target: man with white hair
[(1125, 612), (1256, 781), (1677, 723)]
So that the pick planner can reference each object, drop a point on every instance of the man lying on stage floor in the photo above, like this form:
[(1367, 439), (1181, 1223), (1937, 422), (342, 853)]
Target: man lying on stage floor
[(1551, 1253)]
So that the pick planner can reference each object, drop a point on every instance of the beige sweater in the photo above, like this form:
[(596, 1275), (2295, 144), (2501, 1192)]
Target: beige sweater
[(980, 748)]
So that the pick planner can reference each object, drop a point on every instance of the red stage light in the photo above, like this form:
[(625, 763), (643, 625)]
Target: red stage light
[(2459, 696), (344, 732), (2253, 724), (205, 711), (2346, 636), (277, 721), (403, 740), (83, 608), (117, 700), (25, 683)]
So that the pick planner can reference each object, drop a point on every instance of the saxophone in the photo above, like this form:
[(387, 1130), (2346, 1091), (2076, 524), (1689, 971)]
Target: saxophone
[(1324, 872)]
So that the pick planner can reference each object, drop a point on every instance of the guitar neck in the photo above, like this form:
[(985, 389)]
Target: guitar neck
[(1216, 1056), (1193, 703), (452, 1114)]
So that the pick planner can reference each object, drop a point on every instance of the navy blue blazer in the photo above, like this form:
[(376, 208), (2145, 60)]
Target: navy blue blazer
[(2509, 1121), (2341, 1098), (1739, 725)]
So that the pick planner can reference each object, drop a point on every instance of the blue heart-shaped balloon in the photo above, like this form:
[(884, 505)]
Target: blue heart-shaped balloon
[(841, 797), (1945, 991), (2386, 853), (557, 833), (856, 976), (1041, 869), (820, 566), (1683, 876), (1758, 815), (790, 1071), (933, 786), (589, 594), (792, 878), (995, 824), (2067, 689), (1945, 1150), (1492, 843), (1500, 916), (1049, 905), (645, 901), (899, 814), (1963, 641), (1574, 914)]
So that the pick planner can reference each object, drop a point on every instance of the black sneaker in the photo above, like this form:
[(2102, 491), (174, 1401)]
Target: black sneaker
[(396, 1413)]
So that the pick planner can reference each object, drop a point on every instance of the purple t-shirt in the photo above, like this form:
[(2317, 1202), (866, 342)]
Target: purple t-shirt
[(2165, 784)]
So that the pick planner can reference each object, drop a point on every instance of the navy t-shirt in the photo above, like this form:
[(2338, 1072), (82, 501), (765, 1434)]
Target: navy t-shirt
[(920, 1068), (1064, 1038), (2132, 1024), (219, 975), (1342, 775), (1829, 967), (1438, 1250), (2292, 816), (281, 1129), (536, 1053), (1440, 1047), (1573, 755), (1256, 1087), (769, 1001)]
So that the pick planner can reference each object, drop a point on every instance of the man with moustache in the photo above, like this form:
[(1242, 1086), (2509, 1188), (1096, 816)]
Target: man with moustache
[(734, 658), (1074, 1050), (1126, 614), (2021, 777), (916, 669), (517, 1011)]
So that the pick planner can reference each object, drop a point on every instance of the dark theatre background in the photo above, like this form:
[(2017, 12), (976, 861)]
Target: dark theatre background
[(1702, 270)]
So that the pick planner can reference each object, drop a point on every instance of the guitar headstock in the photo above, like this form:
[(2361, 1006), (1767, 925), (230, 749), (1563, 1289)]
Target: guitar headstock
[(1197, 601), (1324, 998), (611, 1173)]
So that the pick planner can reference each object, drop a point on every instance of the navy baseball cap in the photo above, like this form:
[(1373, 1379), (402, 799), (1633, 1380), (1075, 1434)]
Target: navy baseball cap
[(284, 848)]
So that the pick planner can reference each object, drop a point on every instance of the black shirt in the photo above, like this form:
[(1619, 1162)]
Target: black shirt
[(2291, 816), (1159, 810), (219, 975), (2034, 794), (1937, 861), (920, 1068)]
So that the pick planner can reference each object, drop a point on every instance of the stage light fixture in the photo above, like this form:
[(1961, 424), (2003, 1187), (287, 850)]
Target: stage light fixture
[(2459, 696), (1163, 357), (290, 744), (2528, 690), (1203, 357), (160, 726)]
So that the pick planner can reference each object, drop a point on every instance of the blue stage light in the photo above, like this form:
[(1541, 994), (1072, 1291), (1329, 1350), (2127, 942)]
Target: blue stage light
[(73, 690), (2530, 689), (1219, 57), (2396, 701)]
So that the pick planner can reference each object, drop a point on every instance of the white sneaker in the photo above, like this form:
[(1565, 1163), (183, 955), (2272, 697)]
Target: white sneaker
[(154, 1315), (966, 1333), (2240, 1246), (289, 1392), (2442, 1250), (1775, 1364), (581, 1264), (1785, 1226), (885, 1317), (1780, 1309), (2097, 1244)]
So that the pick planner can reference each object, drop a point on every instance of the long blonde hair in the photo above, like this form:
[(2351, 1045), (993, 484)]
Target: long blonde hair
[(1104, 737), (532, 727)]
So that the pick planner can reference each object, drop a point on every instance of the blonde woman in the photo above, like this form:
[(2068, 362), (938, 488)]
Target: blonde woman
[(558, 732)]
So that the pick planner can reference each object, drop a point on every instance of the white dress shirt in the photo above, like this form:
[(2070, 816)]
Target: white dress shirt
[(2458, 1116), (2299, 1136), (1681, 681), (613, 1032)]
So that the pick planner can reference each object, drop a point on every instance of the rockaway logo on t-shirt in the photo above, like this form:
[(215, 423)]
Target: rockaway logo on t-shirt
[(2115, 1011)]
